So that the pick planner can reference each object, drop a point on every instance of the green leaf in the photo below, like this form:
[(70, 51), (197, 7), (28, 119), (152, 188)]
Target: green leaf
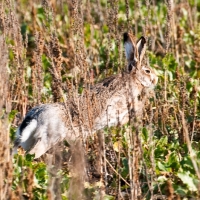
[(12, 115), (108, 197), (160, 152), (170, 62), (173, 161), (161, 166), (125, 169), (163, 141), (29, 157), (145, 134), (187, 165), (188, 180), (180, 190)]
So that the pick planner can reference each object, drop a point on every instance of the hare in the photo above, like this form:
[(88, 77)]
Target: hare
[(108, 103)]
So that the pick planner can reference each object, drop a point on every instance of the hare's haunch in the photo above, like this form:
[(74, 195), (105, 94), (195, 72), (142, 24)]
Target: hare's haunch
[(108, 103)]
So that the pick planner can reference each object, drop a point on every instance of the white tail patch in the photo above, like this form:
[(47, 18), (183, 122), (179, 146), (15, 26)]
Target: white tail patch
[(26, 133)]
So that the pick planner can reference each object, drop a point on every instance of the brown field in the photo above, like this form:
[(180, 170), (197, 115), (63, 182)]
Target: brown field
[(52, 50)]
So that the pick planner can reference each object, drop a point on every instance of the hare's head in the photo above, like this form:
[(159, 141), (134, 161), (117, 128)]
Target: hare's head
[(135, 51)]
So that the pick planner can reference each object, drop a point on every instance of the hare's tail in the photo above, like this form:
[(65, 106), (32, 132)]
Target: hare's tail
[(24, 134)]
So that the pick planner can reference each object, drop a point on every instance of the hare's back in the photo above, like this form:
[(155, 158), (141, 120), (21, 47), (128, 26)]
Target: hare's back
[(45, 114)]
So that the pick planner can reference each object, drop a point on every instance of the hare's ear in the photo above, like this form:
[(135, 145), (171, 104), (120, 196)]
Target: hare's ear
[(141, 48), (130, 50)]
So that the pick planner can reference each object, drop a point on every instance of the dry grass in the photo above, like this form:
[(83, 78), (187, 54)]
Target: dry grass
[(51, 50), (5, 107)]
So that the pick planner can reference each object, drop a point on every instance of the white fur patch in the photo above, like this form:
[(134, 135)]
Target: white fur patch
[(26, 133)]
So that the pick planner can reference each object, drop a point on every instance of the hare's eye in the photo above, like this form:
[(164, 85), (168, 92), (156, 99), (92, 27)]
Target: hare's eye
[(147, 71)]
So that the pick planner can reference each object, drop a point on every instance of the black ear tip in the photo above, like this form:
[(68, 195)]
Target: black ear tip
[(126, 36), (143, 39)]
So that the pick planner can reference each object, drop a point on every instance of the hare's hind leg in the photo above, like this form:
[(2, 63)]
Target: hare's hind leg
[(40, 147), (47, 135)]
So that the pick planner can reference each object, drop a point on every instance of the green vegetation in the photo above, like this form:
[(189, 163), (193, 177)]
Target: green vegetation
[(72, 44)]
